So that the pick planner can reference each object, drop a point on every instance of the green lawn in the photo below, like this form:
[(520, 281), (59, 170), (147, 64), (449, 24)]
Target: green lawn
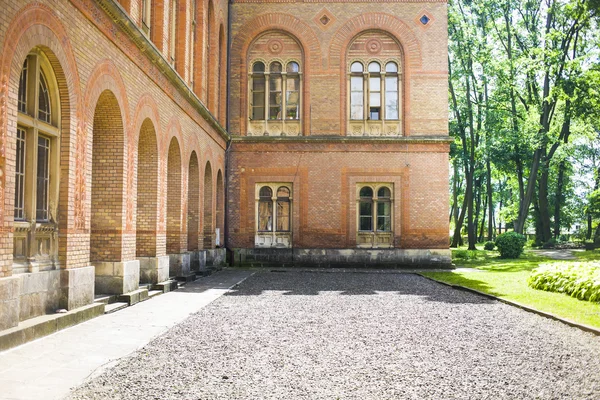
[(508, 279)]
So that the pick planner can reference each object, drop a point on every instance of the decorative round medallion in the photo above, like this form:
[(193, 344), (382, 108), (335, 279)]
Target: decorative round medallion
[(275, 46), (374, 46)]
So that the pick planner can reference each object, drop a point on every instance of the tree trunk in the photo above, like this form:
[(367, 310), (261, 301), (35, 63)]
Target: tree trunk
[(559, 197)]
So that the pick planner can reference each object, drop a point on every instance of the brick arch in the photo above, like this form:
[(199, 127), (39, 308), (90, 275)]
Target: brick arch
[(220, 205), (105, 76), (222, 78), (389, 24), (285, 23), (375, 21), (146, 108), (36, 25), (193, 195), (174, 191), (207, 214), (173, 131), (210, 40)]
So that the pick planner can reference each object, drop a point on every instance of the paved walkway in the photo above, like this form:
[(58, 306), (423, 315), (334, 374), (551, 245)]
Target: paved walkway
[(49, 367), (555, 254)]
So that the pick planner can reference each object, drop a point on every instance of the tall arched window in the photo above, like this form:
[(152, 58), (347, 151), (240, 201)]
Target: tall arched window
[(375, 205), (275, 90), (173, 31), (36, 165), (257, 98), (292, 91), (374, 85), (146, 16), (265, 210)]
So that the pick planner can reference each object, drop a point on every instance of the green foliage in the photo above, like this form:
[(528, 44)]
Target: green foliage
[(489, 245), (577, 279), (510, 244), (550, 244), (464, 254)]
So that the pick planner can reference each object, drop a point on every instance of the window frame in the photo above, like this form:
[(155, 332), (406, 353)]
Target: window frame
[(32, 190), (373, 236), (283, 78), (278, 207)]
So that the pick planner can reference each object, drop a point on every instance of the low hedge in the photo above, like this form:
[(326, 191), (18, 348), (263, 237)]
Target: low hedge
[(577, 279), (510, 244)]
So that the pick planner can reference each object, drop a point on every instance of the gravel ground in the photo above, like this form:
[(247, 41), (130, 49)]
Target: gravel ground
[(329, 335)]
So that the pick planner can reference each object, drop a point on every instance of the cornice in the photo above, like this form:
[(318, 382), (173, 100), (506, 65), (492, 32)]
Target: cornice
[(133, 32), (338, 1)]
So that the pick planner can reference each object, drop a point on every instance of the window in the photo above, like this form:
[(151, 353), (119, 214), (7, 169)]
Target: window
[(273, 215), (370, 83), (173, 35), (36, 157), (146, 15), (283, 91), (375, 204)]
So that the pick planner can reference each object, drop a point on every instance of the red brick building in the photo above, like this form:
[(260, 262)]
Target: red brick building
[(139, 138)]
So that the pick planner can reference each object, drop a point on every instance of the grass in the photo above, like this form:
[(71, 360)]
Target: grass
[(507, 279)]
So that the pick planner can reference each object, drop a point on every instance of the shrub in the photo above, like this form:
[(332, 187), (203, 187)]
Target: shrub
[(550, 244), (464, 254), (489, 245), (510, 244), (577, 279)]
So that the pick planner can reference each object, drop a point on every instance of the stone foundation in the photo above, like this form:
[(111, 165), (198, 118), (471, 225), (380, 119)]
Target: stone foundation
[(40, 294), (10, 291), (154, 269), (77, 287), (179, 264), (343, 258), (215, 257), (117, 277)]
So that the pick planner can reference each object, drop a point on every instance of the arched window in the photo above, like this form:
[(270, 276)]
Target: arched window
[(146, 16), (283, 209), (257, 99), (265, 210), (36, 163), (374, 66), (273, 215), (275, 90), (281, 81), (375, 223), (366, 209), (173, 31)]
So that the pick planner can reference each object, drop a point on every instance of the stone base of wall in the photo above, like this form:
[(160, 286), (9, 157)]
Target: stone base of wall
[(198, 260), (40, 294), (216, 257), (343, 258), (10, 291), (154, 269), (179, 264), (117, 277), (77, 287)]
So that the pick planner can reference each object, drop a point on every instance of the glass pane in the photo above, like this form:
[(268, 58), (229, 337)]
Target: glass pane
[(275, 83), (374, 113), (20, 175), (265, 192), (391, 105), (383, 193), (356, 83), (375, 84), (283, 216), (391, 67), (366, 192), (293, 84), (23, 89), (283, 192), (391, 84), (356, 112), (384, 224), (43, 178), (366, 216), (275, 67), (384, 216), (375, 99), (258, 84), (258, 113), (356, 67), (374, 67), (265, 216), (44, 100), (258, 67), (293, 67)]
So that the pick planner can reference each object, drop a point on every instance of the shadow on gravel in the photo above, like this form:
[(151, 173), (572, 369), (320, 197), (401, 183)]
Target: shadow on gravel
[(353, 284)]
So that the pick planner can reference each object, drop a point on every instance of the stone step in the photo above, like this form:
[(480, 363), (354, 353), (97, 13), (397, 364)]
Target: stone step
[(111, 308), (134, 297), (205, 272), (105, 298), (166, 286), (153, 293)]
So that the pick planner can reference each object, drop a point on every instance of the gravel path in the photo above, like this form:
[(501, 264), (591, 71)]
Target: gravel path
[(318, 335)]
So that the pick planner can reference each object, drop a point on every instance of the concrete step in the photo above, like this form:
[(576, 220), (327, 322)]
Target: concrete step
[(111, 308), (134, 297), (153, 293), (166, 286), (186, 278)]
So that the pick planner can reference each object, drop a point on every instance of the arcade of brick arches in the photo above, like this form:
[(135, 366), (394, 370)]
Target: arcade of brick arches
[(146, 140)]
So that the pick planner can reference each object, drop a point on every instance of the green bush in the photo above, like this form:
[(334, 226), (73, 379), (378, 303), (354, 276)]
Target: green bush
[(489, 245), (550, 244), (510, 244), (577, 279)]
